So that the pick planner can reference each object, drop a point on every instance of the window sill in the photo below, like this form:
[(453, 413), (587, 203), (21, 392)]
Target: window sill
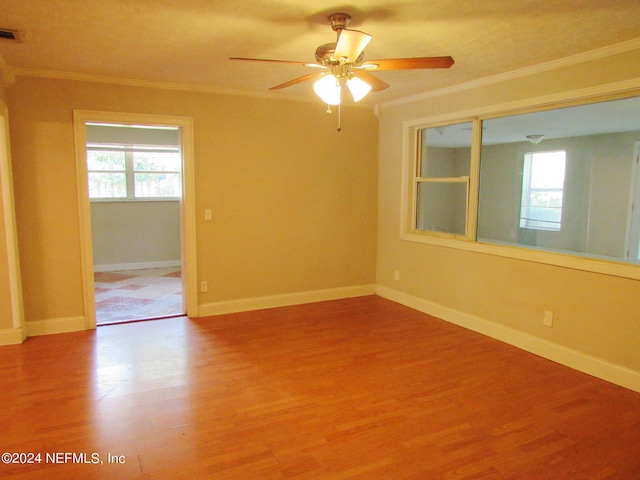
[(575, 262), (133, 200)]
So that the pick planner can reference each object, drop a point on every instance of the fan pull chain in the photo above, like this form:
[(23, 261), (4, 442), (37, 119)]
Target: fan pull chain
[(339, 116)]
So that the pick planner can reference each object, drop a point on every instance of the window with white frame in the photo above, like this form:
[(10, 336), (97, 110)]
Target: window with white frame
[(133, 172), (573, 194), (442, 179), (542, 190)]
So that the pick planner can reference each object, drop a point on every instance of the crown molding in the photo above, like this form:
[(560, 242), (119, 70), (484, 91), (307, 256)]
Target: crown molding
[(176, 86), (596, 54)]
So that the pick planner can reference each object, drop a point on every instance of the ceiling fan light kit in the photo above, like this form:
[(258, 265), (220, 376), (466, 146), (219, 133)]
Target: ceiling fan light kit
[(328, 89), (358, 88), (535, 138), (343, 64)]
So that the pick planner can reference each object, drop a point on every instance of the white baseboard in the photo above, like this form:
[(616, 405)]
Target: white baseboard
[(55, 325), (11, 336), (136, 266), (577, 360), (273, 301)]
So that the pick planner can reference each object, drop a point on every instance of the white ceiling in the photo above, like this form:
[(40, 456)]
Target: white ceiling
[(190, 41)]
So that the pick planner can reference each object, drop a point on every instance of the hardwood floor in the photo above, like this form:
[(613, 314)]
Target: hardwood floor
[(352, 389)]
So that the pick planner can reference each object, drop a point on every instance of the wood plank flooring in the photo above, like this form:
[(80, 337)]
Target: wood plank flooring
[(352, 389)]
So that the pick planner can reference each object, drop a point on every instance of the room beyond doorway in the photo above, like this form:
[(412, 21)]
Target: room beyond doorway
[(135, 190)]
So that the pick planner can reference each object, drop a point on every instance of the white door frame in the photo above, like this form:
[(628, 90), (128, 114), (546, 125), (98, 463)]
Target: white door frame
[(17, 333), (632, 238), (187, 204)]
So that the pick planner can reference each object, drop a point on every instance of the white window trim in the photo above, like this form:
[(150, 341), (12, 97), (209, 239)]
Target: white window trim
[(407, 190), (632, 233), (417, 180)]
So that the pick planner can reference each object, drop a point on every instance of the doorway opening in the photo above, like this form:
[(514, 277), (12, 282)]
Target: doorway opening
[(134, 176), (135, 184)]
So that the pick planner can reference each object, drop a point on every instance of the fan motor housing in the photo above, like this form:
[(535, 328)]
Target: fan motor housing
[(324, 55), (339, 21)]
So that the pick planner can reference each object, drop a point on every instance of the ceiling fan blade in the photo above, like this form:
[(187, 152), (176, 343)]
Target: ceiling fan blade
[(408, 63), (375, 82), (350, 45), (267, 60), (296, 80)]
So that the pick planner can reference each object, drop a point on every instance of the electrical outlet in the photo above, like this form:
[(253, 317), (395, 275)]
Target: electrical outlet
[(207, 214), (547, 320), (204, 286), (396, 275)]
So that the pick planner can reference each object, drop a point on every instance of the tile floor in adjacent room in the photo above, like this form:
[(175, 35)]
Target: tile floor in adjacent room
[(129, 295)]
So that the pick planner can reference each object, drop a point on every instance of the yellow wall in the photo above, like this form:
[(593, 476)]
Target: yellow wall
[(293, 201), (596, 315)]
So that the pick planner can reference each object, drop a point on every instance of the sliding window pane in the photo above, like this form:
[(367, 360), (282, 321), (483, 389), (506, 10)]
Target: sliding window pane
[(157, 185), (106, 160), (156, 161), (562, 180), (442, 207), (107, 185), (445, 151)]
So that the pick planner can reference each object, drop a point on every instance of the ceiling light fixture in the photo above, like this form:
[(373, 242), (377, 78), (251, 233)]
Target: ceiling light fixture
[(329, 88), (358, 87), (535, 139)]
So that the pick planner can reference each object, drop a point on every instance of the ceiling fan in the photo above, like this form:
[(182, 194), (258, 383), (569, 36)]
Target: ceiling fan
[(342, 63)]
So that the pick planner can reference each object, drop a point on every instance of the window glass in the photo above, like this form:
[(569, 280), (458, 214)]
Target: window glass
[(562, 180), (106, 159), (157, 185), (442, 178), (129, 162), (156, 173), (542, 190), (133, 172), (156, 161), (442, 207), (107, 185)]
